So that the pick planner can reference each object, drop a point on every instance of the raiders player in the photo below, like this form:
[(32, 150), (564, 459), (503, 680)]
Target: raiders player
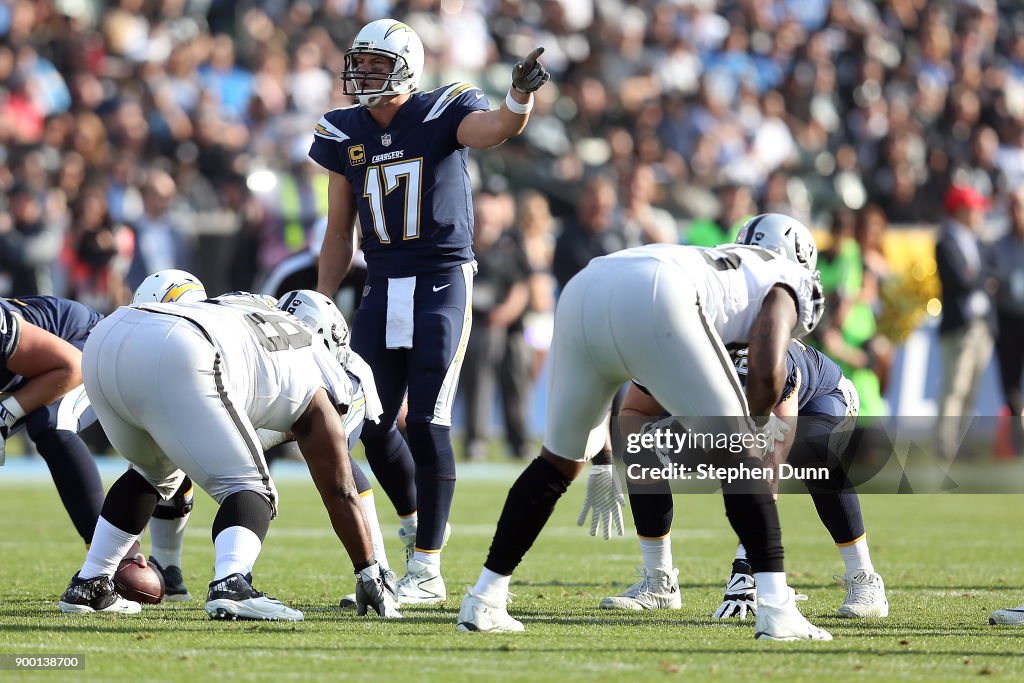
[(634, 314), (223, 368)]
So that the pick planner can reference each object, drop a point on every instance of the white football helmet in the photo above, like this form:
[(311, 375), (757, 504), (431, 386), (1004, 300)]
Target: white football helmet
[(783, 235), (320, 314), (166, 286), (391, 39)]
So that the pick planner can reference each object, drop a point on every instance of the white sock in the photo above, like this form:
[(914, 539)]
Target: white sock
[(166, 537), (492, 587), (109, 545), (856, 556), (657, 553), (376, 537), (741, 552), (237, 549), (409, 523), (771, 587), (430, 559)]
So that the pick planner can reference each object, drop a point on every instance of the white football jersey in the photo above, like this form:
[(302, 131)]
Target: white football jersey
[(270, 363), (733, 280)]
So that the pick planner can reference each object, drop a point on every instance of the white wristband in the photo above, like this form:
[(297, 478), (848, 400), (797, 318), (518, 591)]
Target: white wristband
[(518, 107), (11, 411)]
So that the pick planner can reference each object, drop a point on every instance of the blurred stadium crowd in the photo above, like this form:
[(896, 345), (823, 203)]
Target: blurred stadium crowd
[(137, 135)]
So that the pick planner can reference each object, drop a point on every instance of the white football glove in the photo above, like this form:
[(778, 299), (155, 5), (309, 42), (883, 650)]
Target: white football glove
[(775, 431), (740, 598), (604, 501), (376, 591)]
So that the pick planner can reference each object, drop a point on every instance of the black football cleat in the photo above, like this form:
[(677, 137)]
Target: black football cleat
[(86, 596)]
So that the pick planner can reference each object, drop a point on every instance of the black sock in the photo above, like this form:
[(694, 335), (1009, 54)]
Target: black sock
[(76, 477), (529, 505), (431, 446), (247, 509), (652, 510), (754, 517), (391, 463), (130, 503)]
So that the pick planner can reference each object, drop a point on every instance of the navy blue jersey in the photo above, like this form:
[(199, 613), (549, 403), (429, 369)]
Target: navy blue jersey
[(410, 180), (69, 320), (64, 318), (817, 374)]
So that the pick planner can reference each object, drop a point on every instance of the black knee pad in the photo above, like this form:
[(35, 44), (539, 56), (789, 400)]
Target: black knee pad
[(179, 505)]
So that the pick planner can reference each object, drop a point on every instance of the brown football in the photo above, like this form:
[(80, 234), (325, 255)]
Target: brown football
[(138, 583)]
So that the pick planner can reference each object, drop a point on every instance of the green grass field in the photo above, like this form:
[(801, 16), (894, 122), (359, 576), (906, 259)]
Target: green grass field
[(947, 561)]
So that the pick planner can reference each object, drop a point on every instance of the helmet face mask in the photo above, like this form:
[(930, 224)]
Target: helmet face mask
[(391, 40), (783, 235), (320, 314), (168, 286)]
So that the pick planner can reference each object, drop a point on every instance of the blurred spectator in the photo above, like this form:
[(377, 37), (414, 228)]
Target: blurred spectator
[(97, 254), (30, 242), (537, 229), (968, 317), (294, 201), (596, 230), (1008, 256), (159, 242), (736, 204), (642, 222), (497, 348), (854, 269)]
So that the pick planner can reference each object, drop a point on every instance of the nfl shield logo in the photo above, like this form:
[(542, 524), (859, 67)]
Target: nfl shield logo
[(385, 139)]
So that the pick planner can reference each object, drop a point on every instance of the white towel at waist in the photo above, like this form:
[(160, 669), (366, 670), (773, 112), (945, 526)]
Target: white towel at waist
[(401, 291)]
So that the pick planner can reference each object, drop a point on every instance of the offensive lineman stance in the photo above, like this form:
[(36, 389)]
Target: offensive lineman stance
[(181, 389), (634, 314)]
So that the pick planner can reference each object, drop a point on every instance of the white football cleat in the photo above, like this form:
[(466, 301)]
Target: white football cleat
[(784, 622), (478, 615), (408, 539), (654, 590), (421, 585), (865, 596), (1013, 616), (233, 597)]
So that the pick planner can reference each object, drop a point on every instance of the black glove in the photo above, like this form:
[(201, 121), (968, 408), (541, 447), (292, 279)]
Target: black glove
[(529, 74)]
